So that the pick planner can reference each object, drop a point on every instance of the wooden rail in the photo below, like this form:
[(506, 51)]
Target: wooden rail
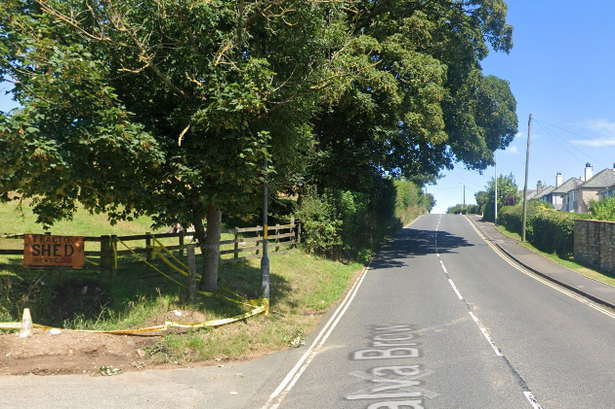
[(247, 243)]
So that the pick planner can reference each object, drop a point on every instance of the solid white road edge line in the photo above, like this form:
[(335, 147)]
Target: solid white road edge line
[(543, 280), (293, 376)]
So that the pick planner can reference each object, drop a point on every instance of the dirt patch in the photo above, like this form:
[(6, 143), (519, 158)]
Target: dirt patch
[(45, 352), (72, 352)]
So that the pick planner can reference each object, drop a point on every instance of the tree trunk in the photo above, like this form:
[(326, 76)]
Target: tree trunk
[(211, 250)]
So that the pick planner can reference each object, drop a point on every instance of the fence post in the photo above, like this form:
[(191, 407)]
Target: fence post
[(182, 236), (298, 233), (277, 239), (148, 246), (259, 242), (108, 255), (191, 273), (236, 245)]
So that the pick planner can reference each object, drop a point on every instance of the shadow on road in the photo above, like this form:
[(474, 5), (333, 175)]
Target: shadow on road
[(411, 243)]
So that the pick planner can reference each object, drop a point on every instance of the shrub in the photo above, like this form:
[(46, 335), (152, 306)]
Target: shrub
[(351, 224), (548, 230), (321, 228)]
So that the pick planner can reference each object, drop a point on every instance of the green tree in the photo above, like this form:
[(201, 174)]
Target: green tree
[(481, 198), (508, 195), (159, 107), (420, 102)]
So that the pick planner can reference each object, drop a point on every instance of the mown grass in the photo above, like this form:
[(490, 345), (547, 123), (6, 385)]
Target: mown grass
[(303, 287), (597, 275)]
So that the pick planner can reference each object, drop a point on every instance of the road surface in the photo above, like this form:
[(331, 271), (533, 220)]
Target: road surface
[(441, 320)]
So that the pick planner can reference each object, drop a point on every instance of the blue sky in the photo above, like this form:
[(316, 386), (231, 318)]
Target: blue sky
[(561, 70)]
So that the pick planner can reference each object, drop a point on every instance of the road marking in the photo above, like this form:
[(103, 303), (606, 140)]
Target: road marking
[(405, 386), (486, 334), (455, 288), (532, 400), (526, 390), (449, 278), (389, 383), (541, 279), (293, 376)]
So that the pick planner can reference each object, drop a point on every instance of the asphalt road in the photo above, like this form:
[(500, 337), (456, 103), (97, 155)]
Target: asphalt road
[(442, 321), (439, 320)]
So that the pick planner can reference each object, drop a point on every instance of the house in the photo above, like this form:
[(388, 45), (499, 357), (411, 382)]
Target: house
[(546, 195), (608, 191), (590, 189), (575, 194), (564, 196)]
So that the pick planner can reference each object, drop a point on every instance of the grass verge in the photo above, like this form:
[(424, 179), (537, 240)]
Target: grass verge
[(303, 288)]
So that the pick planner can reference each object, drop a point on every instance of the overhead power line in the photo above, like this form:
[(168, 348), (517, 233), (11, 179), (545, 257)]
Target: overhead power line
[(566, 145)]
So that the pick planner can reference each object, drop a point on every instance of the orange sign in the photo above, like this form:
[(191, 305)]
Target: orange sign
[(44, 250)]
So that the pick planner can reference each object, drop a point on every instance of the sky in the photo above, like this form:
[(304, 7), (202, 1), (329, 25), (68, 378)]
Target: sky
[(562, 71)]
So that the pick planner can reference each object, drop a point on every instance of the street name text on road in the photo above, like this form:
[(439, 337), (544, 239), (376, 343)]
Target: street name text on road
[(392, 381)]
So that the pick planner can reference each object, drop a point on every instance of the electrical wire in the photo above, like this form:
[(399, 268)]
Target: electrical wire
[(562, 142), (610, 145)]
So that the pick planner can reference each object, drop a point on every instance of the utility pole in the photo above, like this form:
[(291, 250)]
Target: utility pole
[(265, 283), (464, 197), (495, 159), (527, 166)]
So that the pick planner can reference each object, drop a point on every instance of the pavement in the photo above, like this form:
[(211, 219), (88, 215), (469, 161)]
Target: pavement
[(594, 290)]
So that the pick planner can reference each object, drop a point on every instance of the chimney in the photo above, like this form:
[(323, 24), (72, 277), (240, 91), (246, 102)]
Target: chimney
[(558, 179), (588, 172), (539, 187)]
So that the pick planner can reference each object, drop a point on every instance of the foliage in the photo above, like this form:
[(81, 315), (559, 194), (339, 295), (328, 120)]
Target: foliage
[(508, 194), (481, 198), (321, 230), (420, 101), (163, 108), (172, 109), (464, 209), (548, 230), (603, 209), (341, 223)]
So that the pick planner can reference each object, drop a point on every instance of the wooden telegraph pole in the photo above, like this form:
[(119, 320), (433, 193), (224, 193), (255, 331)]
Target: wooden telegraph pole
[(527, 166), (495, 159)]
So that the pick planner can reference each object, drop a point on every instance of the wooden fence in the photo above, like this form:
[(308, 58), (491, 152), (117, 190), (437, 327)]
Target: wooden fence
[(247, 243)]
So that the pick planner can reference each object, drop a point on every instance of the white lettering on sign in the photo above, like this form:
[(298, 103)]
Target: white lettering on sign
[(392, 381)]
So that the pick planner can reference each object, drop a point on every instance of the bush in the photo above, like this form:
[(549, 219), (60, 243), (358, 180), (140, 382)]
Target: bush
[(548, 230), (342, 223), (321, 228), (603, 209)]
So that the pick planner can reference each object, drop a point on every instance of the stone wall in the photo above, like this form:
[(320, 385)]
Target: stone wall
[(594, 244)]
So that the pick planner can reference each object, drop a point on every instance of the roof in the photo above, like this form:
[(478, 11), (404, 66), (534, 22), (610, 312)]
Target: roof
[(567, 186), (546, 191), (531, 194), (601, 180)]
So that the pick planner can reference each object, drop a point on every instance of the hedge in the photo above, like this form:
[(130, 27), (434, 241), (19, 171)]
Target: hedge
[(548, 230)]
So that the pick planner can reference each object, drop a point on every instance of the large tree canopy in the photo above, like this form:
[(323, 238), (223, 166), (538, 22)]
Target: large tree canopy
[(170, 108), (158, 107), (420, 102)]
